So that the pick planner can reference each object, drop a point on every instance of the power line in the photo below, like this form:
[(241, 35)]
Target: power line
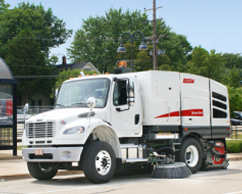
[(25, 38), (42, 76)]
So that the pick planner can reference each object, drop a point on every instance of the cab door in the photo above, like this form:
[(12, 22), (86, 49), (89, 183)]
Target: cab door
[(126, 111)]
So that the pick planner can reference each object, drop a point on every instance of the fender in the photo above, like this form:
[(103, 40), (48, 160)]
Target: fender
[(105, 133)]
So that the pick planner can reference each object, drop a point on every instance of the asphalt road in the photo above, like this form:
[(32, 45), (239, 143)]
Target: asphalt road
[(219, 181)]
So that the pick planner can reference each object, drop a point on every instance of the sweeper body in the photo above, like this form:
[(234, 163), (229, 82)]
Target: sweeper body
[(108, 122)]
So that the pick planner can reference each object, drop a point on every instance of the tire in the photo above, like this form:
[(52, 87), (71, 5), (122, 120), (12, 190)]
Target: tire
[(42, 171), (191, 154), (99, 162)]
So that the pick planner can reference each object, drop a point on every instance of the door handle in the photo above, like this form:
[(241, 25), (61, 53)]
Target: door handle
[(136, 119)]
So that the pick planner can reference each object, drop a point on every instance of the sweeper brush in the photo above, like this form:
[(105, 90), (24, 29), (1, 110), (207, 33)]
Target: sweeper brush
[(171, 171)]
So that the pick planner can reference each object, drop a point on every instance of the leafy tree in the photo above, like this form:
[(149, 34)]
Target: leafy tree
[(99, 37), (207, 64), (176, 47), (27, 33), (24, 57), (47, 29), (231, 60), (235, 99), (3, 6), (233, 78), (67, 74)]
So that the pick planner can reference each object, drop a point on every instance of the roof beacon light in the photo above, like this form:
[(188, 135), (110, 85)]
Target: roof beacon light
[(122, 64)]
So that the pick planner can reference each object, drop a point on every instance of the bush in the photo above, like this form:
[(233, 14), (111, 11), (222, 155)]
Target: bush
[(234, 146)]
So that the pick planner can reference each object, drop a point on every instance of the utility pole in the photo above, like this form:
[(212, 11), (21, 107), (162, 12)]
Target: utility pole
[(154, 37), (154, 34)]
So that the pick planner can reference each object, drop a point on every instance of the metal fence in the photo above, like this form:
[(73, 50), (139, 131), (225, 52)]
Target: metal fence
[(236, 132), (33, 110)]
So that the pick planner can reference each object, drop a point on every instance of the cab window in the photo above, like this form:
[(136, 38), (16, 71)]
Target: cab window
[(120, 93)]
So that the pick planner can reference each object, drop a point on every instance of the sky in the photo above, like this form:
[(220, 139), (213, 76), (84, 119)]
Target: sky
[(213, 24)]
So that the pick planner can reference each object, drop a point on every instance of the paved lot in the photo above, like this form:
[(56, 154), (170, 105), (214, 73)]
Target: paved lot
[(220, 181)]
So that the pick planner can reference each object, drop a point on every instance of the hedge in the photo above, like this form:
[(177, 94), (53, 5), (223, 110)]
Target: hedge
[(234, 146)]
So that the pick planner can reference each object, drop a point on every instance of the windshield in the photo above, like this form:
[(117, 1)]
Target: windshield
[(75, 94)]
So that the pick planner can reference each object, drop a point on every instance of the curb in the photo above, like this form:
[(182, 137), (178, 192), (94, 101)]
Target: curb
[(26, 176), (10, 157), (235, 158)]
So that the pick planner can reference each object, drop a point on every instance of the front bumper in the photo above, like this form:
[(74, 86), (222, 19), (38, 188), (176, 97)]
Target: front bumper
[(50, 154)]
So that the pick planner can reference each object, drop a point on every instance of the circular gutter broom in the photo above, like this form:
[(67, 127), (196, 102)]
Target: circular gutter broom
[(171, 171)]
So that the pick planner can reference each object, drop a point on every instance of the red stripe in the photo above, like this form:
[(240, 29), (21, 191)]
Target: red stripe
[(184, 113)]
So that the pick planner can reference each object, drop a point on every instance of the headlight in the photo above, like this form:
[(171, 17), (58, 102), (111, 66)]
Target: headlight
[(74, 130)]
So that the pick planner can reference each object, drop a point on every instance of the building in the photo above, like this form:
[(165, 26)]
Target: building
[(87, 66)]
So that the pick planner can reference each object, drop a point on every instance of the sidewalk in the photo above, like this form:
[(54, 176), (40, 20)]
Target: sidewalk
[(14, 167)]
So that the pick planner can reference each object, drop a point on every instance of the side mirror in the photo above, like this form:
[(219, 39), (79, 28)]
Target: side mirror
[(130, 92), (56, 92), (130, 89), (26, 108), (91, 102)]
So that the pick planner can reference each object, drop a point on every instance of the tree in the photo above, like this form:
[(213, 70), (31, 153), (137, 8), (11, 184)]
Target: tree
[(67, 74), (27, 33), (47, 29), (176, 47), (3, 6), (24, 57), (233, 78), (99, 37), (231, 60), (208, 64), (235, 99)]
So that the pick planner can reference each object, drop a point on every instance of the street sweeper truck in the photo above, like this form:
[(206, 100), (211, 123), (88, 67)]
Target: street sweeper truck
[(102, 123)]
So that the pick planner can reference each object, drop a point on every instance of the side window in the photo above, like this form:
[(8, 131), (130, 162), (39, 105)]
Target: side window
[(120, 93)]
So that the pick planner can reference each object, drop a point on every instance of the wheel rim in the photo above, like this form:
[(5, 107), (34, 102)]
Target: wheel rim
[(191, 156), (103, 162)]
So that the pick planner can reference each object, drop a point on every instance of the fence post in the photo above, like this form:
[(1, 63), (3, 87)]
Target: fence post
[(236, 132)]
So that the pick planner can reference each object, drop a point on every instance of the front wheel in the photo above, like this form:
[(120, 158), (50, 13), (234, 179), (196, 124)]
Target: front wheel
[(99, 162), (191, 154), (42, 171)]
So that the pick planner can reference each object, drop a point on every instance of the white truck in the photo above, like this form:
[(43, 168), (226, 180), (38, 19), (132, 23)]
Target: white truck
[(124, 119)]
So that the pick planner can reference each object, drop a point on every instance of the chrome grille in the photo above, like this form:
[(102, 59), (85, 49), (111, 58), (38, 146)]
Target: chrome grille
[(40, 130)]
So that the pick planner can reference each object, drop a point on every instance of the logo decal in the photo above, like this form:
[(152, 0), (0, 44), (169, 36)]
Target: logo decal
[(188, 81), (63, 122), (184, 113)]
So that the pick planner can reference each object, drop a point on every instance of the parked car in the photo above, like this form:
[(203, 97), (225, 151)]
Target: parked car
[(237, 120), (20, 116)]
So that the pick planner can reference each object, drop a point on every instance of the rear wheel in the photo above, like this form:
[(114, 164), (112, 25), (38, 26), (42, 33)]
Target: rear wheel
[(99, 162), (191, 154), (42, 171)]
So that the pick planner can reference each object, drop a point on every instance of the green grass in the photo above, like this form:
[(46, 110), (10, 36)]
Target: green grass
[(234, 146)]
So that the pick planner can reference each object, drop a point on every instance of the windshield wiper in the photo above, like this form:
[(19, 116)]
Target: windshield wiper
[(78, 103), (61, 105)]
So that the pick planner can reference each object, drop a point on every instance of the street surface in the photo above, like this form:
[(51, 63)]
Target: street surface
[(218, 181)]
